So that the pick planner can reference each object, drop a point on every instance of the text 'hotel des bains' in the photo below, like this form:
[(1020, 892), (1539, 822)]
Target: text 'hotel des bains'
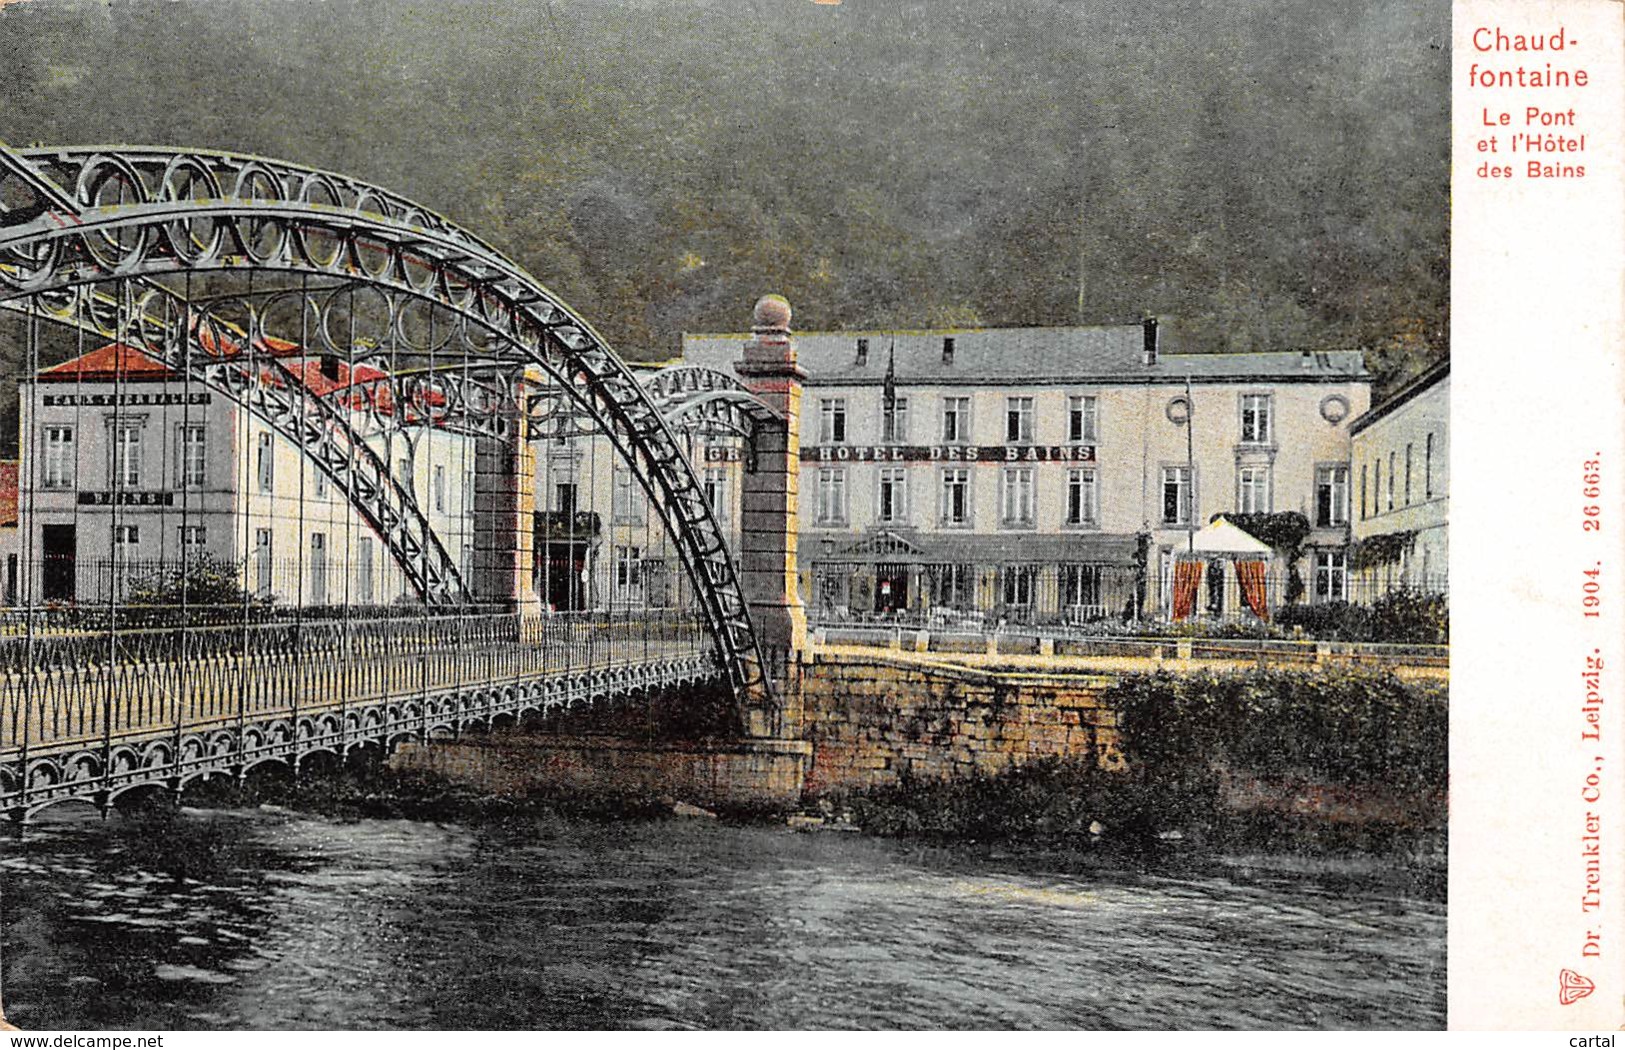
[(1061, 474)]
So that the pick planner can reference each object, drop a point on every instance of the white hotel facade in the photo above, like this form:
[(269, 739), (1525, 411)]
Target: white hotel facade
[(1032, 473), (126, 468), (1401, 463), (1047, 473)]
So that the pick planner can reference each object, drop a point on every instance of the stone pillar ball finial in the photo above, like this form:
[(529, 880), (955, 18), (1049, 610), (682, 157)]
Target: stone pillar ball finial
[(773, 313)]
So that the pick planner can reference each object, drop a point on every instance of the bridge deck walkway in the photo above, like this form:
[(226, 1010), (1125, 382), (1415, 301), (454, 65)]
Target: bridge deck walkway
[(77, 711)]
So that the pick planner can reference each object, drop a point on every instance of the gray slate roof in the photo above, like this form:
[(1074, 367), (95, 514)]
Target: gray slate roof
[(1025, 355)]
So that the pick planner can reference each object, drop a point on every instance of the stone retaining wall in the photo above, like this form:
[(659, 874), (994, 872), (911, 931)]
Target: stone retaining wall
[(859, 721), (872, 720), (506, 762)]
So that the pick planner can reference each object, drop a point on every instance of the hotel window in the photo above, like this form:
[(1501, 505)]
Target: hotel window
[(192, 538), (1331, 576), (1081, 591), (716, 492), (893, 495), (1018, 420), (628, 574), (1376, 485), (1081, 420), (564, 500), (832, 421), (955, 420), (439, 488), (1427, 469), (1082, 497), (1332, 495), (193, 455), (1363, 479), (1176, 495), (956, 496), (126, 537), (319, 483), (265, 463), (627, 507), (127, 454), (952, 585), (58, 471), (262, 561), (1017, 501), (1253, 490), (1408, 448), (403, 473), (832, 496), (1255, 419), (894, 422), (1017, 583), (318, 568), (1393, 479)]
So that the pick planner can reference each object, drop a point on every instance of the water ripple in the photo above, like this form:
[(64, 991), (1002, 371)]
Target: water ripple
[(281, 920)]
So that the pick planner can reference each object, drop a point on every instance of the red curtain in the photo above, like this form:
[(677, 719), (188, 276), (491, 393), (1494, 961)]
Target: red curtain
[(1187, 581), (1250, 574)]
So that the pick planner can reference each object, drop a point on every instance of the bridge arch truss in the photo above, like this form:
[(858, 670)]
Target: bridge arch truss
[(237, 270)]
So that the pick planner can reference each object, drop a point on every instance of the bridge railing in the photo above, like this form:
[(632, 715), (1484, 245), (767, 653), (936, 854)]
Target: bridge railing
[(92, 689)]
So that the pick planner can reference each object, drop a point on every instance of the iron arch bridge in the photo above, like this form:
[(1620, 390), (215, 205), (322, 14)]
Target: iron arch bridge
[(354, 324)]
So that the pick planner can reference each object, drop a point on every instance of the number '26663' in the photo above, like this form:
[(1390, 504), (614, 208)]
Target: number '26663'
[(1591, 513)]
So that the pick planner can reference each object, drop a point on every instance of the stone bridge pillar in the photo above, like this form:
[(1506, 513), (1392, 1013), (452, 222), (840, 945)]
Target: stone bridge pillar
[(504, 514), (768, 490)]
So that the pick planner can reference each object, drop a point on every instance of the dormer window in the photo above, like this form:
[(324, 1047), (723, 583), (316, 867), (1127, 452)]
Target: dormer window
[(863, 352), (947, 349)]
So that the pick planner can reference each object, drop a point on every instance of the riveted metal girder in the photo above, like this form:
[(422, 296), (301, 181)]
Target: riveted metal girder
[(704, 400)]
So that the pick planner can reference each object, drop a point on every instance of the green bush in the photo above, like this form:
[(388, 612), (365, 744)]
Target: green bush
[(1349, 727), (1412, 617), (1329, 621), (1045, 799), (208, 588), (1401, 617)]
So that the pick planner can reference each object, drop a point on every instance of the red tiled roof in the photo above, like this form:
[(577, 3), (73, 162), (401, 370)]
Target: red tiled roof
[(8, 492), (120, 362), (105, 364), (310, 370), (365, 385)]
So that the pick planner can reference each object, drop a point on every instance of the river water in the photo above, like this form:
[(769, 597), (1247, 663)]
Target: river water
[(264, 918)]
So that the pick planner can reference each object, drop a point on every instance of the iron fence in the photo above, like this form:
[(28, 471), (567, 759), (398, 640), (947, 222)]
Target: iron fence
[(88, 687), (986, 597)]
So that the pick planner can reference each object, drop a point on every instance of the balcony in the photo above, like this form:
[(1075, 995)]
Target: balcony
[(567, 526)]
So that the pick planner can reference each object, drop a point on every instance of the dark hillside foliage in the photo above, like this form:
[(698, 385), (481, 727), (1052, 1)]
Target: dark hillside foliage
[(1265, 174)]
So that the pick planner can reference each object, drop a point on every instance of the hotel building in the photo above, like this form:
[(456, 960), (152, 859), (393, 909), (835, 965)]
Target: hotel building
[(126, 468), (1052, 474), (1401, 460)]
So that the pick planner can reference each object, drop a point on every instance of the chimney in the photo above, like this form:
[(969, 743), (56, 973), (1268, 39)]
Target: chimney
[(1306, 360), (947, 349), (330, 368), (1149, 328)]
